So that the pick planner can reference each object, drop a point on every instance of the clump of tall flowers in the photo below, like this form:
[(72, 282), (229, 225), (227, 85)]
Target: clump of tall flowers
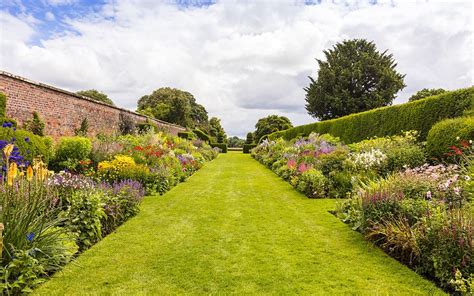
[(33, 243)]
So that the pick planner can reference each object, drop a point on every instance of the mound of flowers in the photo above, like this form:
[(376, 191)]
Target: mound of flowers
[(419, 213), (48, 217)]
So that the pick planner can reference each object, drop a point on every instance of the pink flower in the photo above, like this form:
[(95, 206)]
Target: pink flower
[(428, 195), (291, 164), (303, 167)]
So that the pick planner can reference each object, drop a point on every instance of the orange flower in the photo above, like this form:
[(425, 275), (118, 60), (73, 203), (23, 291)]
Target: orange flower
[(29, 173)]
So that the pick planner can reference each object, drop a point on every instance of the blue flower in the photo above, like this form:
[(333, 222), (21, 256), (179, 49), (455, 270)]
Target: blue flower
[(4, 124), (9, 124), (27, 139), (30, 236)]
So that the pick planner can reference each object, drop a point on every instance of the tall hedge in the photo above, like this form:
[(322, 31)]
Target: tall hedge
[(419, 115)]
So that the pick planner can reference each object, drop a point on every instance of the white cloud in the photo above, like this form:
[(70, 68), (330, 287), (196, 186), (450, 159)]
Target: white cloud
[(241, 61), (61, 2)]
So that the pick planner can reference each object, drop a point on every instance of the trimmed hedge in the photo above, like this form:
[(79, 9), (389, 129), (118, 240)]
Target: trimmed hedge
[(186, 135), (444, 134), (248, 147), (202, 135), (221, 146), (419, 115)]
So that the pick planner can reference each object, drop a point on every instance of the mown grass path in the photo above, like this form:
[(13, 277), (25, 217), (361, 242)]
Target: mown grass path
[(235, 228)]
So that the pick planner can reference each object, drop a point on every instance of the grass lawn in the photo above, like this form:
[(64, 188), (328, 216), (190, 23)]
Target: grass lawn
[(235, 227)]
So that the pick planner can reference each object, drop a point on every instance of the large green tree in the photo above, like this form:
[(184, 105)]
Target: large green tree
[(96, 96), (271, 124), (216, 129), (235, 142), (426, 93), (355, 77), (175, 106)]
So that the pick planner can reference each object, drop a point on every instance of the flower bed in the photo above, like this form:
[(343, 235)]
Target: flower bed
[(49, 217), (417, 212)]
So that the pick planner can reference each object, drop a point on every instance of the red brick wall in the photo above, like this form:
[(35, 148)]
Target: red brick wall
[(63, 111)]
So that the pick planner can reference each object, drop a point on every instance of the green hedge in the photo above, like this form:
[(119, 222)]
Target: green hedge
[(221, 146), (248, 147), (186, 135), (3, 105), (202, 135), (419, 115), (444, 134)]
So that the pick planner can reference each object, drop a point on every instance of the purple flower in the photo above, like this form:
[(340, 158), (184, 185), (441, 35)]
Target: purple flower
[(27, 140)]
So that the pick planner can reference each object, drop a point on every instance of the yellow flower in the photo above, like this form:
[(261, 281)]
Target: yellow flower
[(29, 173), (12, 173), (8, 150)]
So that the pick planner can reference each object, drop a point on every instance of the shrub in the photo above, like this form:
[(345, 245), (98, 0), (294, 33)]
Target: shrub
[(83, 129), (249, 139), (121, 202), (35, 125), (3, 105), (84, 215), (419, 115), (126, 124), (70, 151), (312, 183), (186, 135), (248, 147), (221, 146), (202, 135), (30, 146), (447, 133), (121, 168), (147, 126)]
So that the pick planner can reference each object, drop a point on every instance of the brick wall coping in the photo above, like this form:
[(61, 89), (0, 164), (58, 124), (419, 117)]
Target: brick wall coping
[(4, 73)]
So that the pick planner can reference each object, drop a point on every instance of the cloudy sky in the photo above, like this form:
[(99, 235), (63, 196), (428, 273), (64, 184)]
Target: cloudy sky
[(242, 60)]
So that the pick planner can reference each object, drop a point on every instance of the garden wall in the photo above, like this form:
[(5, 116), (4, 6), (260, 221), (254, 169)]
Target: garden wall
[(63, 111)]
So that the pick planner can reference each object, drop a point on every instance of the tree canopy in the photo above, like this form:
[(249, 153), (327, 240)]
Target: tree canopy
[(216, 129), (174, 106), (271, 124), (355, 77), (96, 96), (235, 142), (426, 93)]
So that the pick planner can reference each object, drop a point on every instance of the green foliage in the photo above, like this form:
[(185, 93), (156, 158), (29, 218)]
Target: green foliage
[(250, 138), (202, 135), (270, 124), (186, 135), (126, 124), (84, 216), (70, 151), (220, 138), (174, 106), (82, 130), (248, 147), (35, 125), (216, 129), (147, 126), (448, 133), (355, 77), (424, 93), (312, 183), (22, 274), (31, 146), (3, 105), (419, 115), (221, 146), (235, 142), (96, 96)]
